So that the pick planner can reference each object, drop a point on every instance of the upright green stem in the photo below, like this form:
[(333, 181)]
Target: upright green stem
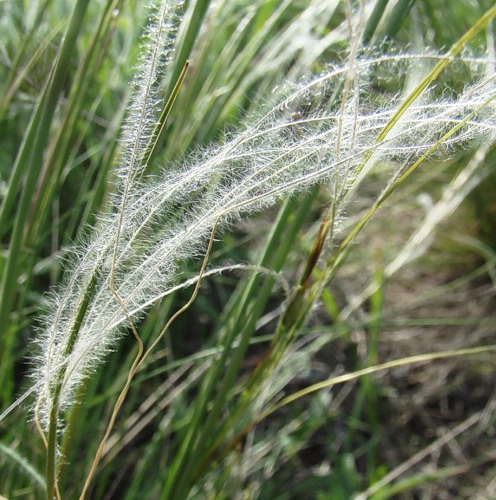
[(184, 465), (200, 432), (373, 21), (51, 461), (395, 18), (29, 162), (51, 452)]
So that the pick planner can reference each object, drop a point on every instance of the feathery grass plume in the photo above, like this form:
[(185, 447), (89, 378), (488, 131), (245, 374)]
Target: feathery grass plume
[(136, 139), (145, 102), (168, 218), (160, 222)]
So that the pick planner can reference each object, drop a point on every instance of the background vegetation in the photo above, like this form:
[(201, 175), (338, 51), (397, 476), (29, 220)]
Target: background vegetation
[(199, 419)]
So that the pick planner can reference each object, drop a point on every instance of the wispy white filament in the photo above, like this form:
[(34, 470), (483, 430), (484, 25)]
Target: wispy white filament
[(304, 136)]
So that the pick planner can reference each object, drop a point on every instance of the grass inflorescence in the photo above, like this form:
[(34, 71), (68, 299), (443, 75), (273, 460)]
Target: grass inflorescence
[(342, 118)]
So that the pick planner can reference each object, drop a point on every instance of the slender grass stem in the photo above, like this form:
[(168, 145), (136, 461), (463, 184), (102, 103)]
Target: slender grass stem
[(28, 163), (51, 452), (342, 125), (419, 358), (141, 358)]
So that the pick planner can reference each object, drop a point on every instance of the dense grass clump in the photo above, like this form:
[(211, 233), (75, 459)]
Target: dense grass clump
[(159, 341)]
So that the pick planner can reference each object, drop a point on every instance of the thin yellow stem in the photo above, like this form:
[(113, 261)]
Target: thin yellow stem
[(140, 358)]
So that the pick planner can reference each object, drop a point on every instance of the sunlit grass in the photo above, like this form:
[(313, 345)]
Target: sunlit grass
[(282, 106)]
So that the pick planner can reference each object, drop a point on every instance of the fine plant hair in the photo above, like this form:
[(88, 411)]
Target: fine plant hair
[(302, 135), (167, 218)]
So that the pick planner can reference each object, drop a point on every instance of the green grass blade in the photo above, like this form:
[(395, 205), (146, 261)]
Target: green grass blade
[(437, 70), (24, 465), (28, 163)]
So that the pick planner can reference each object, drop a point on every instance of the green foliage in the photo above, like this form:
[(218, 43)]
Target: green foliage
[(286, 107)]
